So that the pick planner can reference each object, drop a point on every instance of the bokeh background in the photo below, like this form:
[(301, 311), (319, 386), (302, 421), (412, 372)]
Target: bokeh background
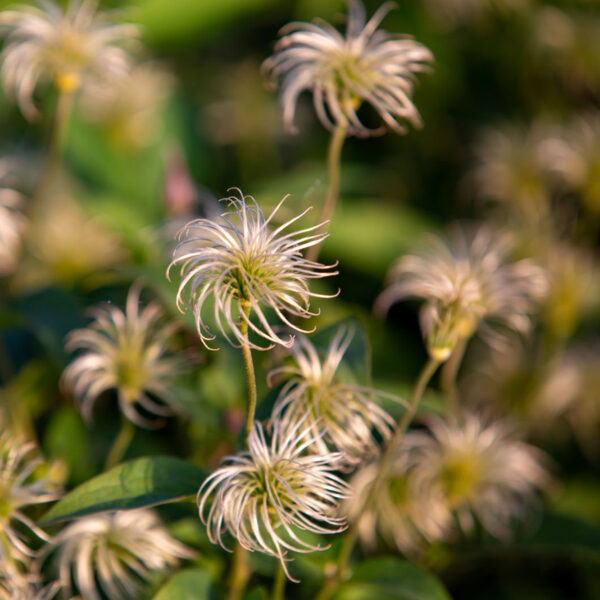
[(515, 87)]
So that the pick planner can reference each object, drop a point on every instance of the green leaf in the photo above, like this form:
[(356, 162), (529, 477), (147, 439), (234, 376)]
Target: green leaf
[(190, 584), (257, 594), (142, 482), (368, 236), (391, 579), (180, 21), (562, 534)]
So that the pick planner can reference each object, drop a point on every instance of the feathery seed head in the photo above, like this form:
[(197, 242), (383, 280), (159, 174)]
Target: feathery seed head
[(465, 281), (17, 585), (340, 413), (264, 496), (125, 351), (404, 519), (114, 553), (46, 44), (476, 469), (515, 165), (367, 65), (246, 267), (19, 487)]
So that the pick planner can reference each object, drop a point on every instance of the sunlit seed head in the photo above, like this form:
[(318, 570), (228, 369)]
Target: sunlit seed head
[(367, 65), (127, 352), (266, 496), (20, 487), (468, 285), (341, 413), (477, 471), (45, 44), (246, 267), (114, 555)]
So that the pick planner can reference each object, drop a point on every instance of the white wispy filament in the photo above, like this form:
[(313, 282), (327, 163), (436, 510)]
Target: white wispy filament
[(340, 413)]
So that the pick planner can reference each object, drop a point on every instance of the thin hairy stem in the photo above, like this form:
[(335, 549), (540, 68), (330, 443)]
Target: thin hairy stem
[(279, 584), (62, 113), (249, 366), (449, 372), (120, 444), (334, 155), (240, 573), (240, 570), (352, 533)]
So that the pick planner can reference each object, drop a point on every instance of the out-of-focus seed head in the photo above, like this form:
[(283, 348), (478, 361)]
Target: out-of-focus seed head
[(468, 285), (476, 470), (45, 43), (367, 65), (114, 555), (128, 352), (404, 519)]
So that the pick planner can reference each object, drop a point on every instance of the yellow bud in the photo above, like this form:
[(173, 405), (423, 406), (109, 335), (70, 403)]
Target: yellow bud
[(67, 82), (440, 353)]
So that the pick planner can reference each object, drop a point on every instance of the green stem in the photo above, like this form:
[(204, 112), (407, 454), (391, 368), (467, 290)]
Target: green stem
[(120, 444), (249, 366), (240, 573), (334, 155), (350, 538), (62, 113), (449, 374), (240, 570), (279, 584)]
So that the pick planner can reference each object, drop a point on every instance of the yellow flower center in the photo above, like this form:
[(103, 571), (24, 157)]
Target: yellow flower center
[(460, 477), (130, 375)]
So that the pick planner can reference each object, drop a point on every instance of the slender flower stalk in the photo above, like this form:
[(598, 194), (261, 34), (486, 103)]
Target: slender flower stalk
[(245, 266), (250, 376), (367, 65), (264, 496), (334, 159), (382, 472)]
